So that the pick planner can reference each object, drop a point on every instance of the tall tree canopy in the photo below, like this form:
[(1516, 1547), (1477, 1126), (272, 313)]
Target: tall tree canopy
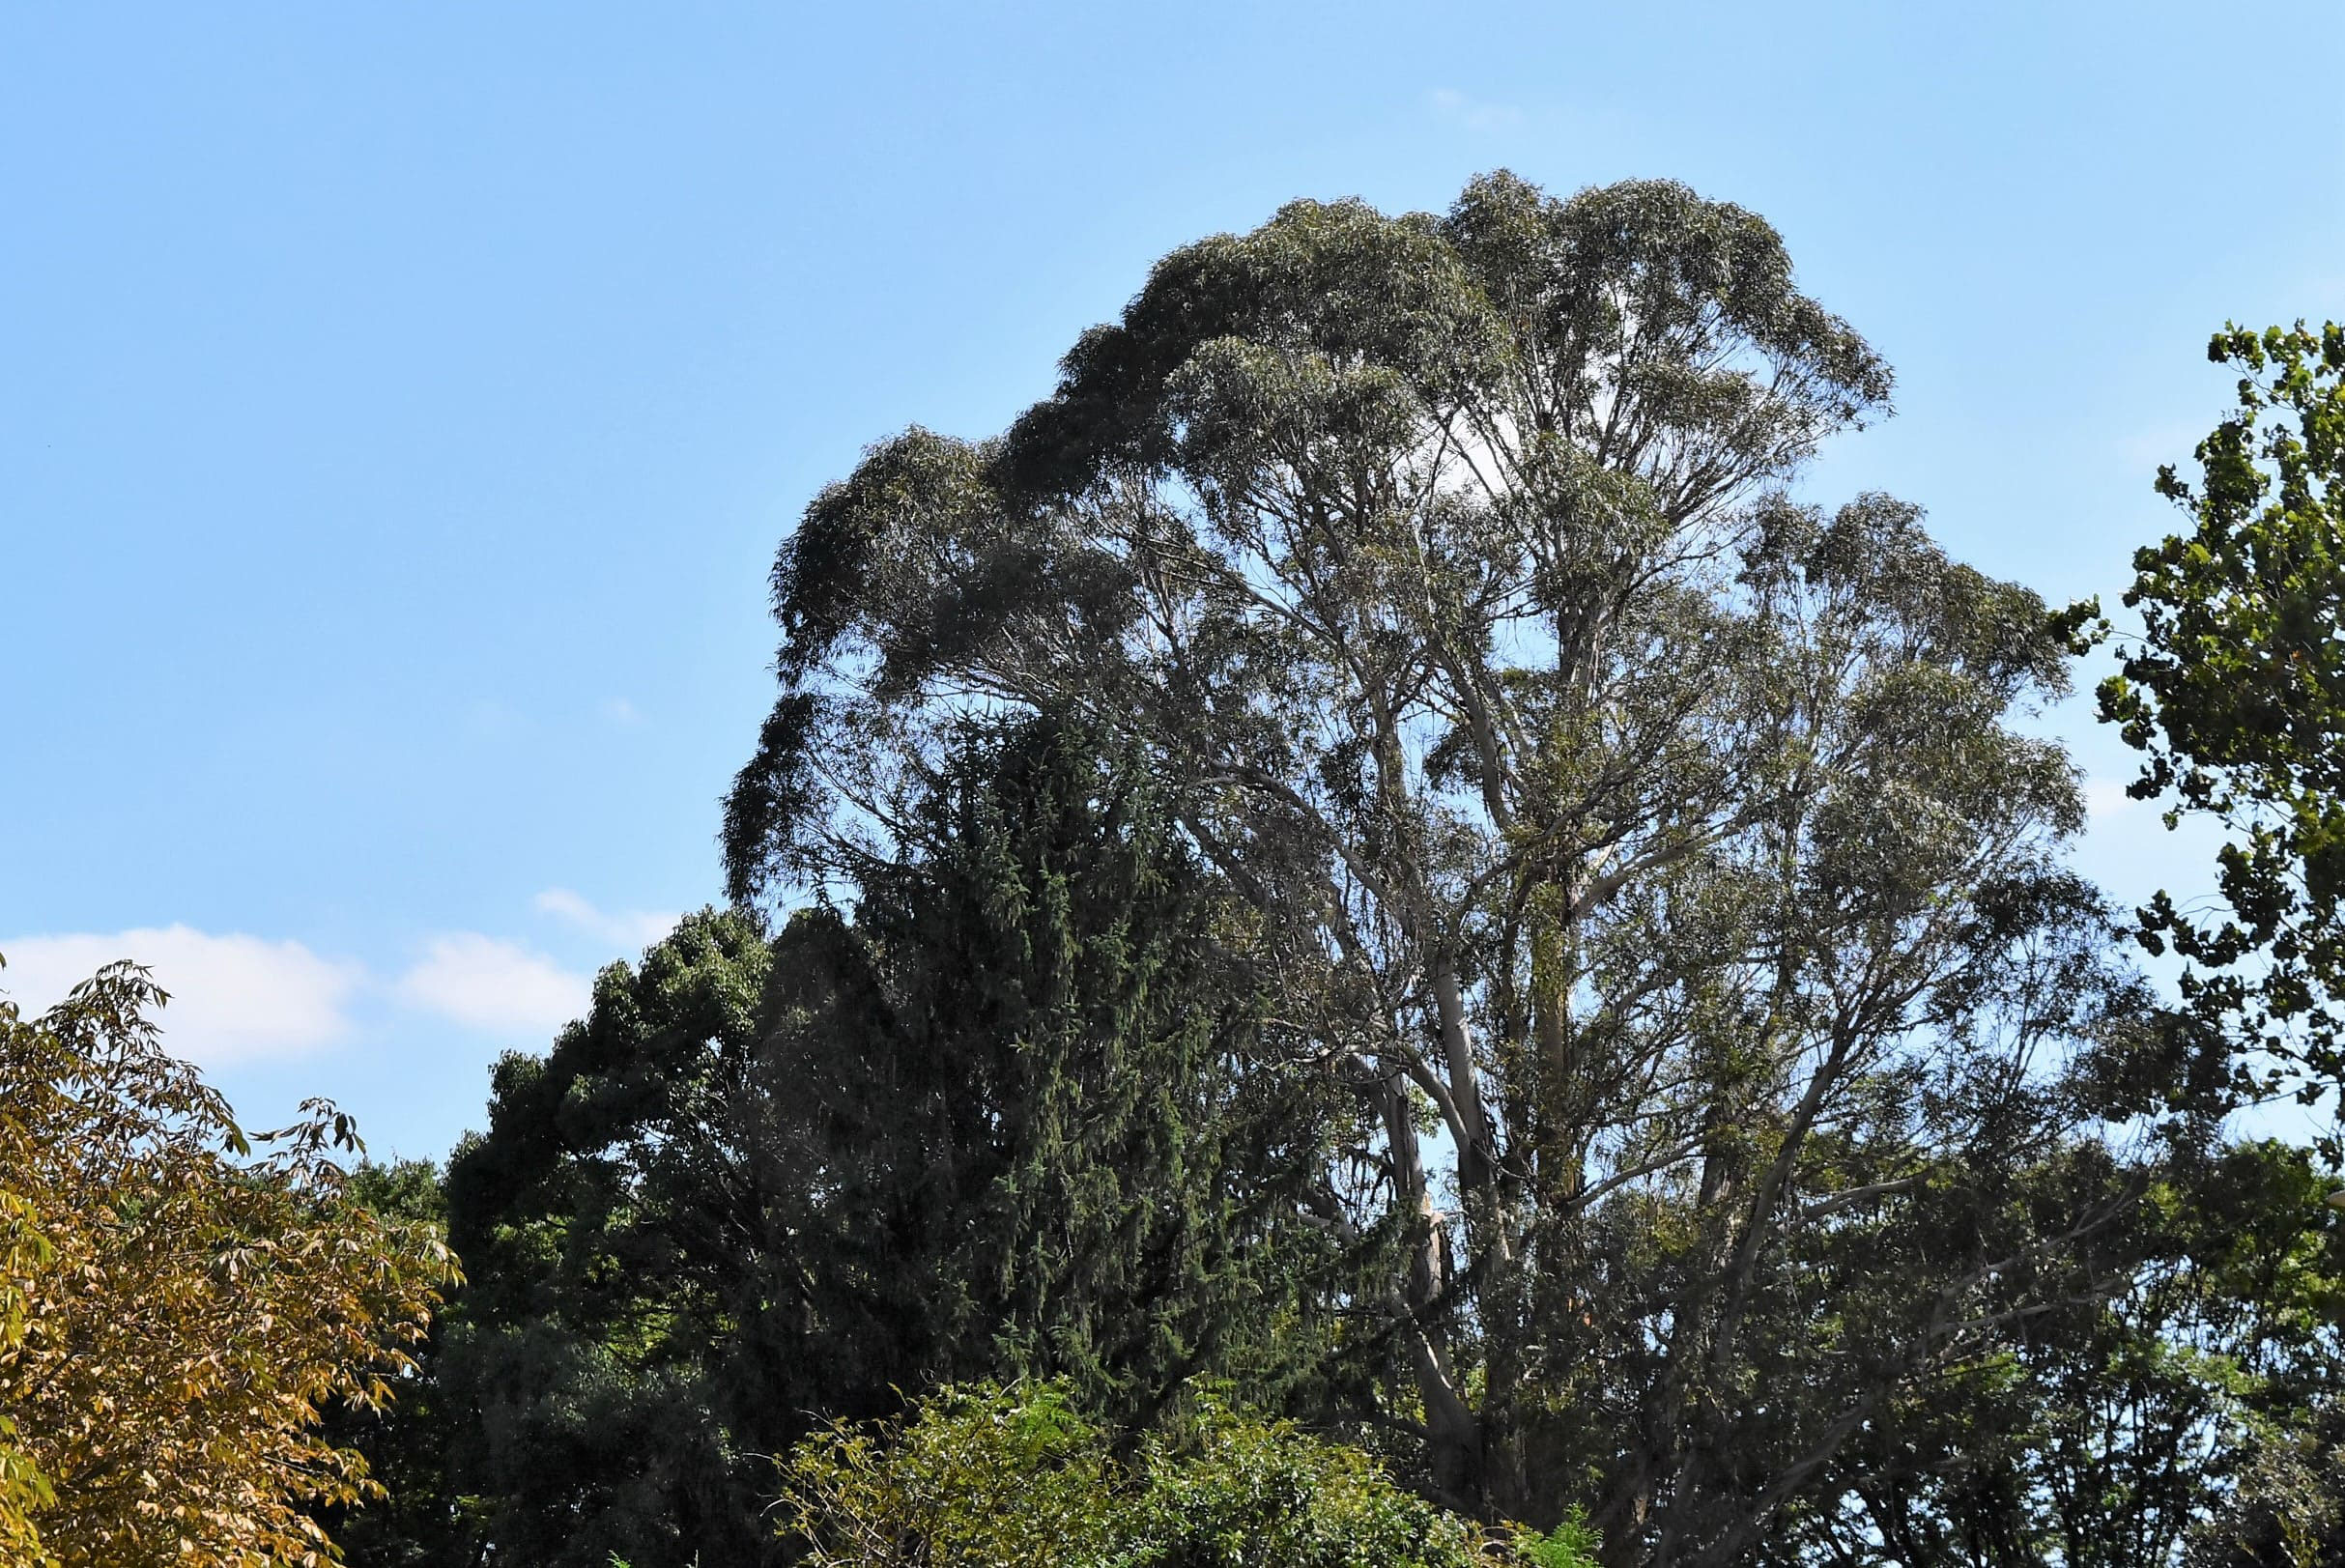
[(1370, 847), (176, 1310), (2236, 694), (1018, 1109), (1648, 854)]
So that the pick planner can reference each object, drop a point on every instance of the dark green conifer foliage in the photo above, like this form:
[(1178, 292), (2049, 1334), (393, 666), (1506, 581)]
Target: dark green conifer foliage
[(1043, 1131), (1015, 1110)]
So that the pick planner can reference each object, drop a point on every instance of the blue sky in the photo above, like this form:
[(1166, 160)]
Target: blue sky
[(399, 405)]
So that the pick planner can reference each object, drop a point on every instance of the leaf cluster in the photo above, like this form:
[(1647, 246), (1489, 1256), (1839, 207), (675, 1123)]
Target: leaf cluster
[(985, 1476), (2236, 696), (180, 1303)]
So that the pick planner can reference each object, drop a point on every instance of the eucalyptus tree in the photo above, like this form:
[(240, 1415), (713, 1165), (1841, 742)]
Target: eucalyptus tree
[(1648, 854)]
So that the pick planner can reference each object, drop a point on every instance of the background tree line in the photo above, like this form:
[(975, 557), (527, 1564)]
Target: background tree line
[(1368, 860)]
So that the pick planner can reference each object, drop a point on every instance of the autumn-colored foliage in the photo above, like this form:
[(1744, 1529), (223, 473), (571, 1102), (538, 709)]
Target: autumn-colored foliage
[(176, 1305), (22, 1490)]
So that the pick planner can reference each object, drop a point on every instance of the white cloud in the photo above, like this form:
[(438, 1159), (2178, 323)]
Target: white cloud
[(233, 998), (1472, 112), (2104, 798), (624, 928), (495, 987), (620, 711), (238, 999)]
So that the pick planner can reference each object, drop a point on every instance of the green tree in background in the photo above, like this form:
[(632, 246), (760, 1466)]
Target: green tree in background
[(583, 1365), (420, 1521), (1652, 857), (2191, 1415), (2236, 694)]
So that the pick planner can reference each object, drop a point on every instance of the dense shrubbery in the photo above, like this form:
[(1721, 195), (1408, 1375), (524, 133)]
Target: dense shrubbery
[(986, 1478)]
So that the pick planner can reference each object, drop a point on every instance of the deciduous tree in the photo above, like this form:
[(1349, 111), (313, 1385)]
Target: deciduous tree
[(179, 1305), (23, 1490), (2236, 696)]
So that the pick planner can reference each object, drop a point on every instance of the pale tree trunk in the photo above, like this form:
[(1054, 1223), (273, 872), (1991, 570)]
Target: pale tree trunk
[(1500, 1481), (1453, 1429)]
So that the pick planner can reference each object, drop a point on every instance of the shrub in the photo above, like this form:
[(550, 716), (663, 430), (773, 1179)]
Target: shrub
[(992, 1477)]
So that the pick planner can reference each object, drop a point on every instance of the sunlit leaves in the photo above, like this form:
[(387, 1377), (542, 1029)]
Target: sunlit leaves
[(986, 1478), (176, 1314), (2237, 695)]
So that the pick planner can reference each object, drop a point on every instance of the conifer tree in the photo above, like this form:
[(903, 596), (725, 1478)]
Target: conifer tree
[(1016, 1107), (1043, 1125)]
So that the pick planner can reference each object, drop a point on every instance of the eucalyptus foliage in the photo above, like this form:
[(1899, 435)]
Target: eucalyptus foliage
[(1652, 856)]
